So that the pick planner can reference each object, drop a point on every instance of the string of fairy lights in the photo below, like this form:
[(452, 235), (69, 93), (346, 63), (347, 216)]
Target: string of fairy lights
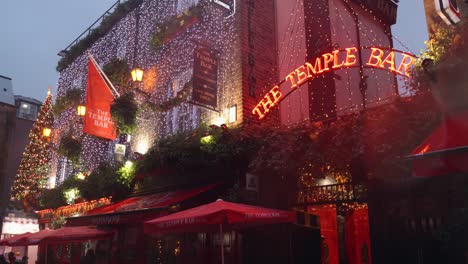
[(171, 67), (33, 170), (372, 31)]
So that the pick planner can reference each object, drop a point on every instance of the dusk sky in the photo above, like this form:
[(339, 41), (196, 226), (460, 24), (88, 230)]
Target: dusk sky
[(33, 32)]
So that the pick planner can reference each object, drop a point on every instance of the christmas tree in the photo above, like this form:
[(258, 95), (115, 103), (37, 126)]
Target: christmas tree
[(34, 167)]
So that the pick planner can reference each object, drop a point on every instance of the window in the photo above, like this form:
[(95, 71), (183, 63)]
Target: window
[(233, 114), (183, 5), (27, 111), (185, 116)]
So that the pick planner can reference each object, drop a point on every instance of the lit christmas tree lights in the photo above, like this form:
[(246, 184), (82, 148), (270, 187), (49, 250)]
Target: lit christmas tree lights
[(34, 167)]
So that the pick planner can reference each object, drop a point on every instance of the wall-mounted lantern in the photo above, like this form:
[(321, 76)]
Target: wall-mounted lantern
[(81, 110), (137, 74), (46, 132)]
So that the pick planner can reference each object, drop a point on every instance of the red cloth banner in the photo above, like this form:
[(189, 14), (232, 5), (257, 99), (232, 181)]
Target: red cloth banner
[(98, 120), (358, 237), (328, 231)]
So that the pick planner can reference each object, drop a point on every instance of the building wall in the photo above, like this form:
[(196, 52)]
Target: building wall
[(434, 20), (292, 53), (19, 140), (6, 90), (258, 50), (166, 70), (7, 123), (332, 26)]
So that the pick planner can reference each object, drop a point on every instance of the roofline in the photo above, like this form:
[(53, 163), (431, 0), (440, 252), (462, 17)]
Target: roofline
[(4, 77), (27, 99), (7, 104), (437, 152)]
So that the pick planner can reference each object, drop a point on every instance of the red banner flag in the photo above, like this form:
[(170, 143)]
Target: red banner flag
[(98, 120)]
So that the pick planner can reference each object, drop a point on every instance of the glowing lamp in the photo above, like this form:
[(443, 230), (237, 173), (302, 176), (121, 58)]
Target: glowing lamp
[(207, 140), (81, 110), (80, 176), (233, 114), (46, 132), (137, 74)]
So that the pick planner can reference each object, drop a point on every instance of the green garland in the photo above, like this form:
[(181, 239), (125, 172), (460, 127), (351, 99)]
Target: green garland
[(124, 112), (70, 99), (70, 148), (174, 25), (180, 97), (106, 25), (118, 72)]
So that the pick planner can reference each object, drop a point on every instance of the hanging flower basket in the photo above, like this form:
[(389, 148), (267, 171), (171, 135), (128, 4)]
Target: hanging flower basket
[(124, 112), (70, 148)]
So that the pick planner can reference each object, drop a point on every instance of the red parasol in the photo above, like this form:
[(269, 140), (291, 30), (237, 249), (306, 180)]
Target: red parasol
[(217, 214)]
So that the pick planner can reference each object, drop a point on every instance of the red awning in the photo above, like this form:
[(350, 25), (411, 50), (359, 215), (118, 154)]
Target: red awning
[(209, 216), (11, 240), (445, 151), (136, 209), (64, 234), (452, 134)]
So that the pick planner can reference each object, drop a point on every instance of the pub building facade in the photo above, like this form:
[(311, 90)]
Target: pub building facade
[(252, 50), (225, 51)]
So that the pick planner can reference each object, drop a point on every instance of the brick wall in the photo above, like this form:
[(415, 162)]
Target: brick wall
[(231, 39), (259, 55)]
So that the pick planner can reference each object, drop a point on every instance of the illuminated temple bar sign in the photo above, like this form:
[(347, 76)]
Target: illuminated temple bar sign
[(379, 58)]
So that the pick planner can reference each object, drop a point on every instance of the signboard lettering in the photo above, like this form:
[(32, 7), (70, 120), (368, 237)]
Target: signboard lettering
[(392, 60), (205, 78), (98, 121)]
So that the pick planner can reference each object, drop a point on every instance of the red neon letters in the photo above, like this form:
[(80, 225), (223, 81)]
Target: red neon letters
[(337, 59), (377, 60), (271, 99)]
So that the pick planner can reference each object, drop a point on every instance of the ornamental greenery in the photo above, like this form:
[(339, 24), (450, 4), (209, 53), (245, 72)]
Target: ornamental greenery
[(70, 99), (190, 157), (106, 25), (70, 148), (173, 26), (442, 68), (292, 156), (180, 97), (124, 111), (379, 137), (118, 72), (107, 180)]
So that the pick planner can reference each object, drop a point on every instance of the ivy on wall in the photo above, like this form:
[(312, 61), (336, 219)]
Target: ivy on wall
[(70, 99), (107, 180), (306, 152), (180, 97), (106, 25), (118, 72)]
